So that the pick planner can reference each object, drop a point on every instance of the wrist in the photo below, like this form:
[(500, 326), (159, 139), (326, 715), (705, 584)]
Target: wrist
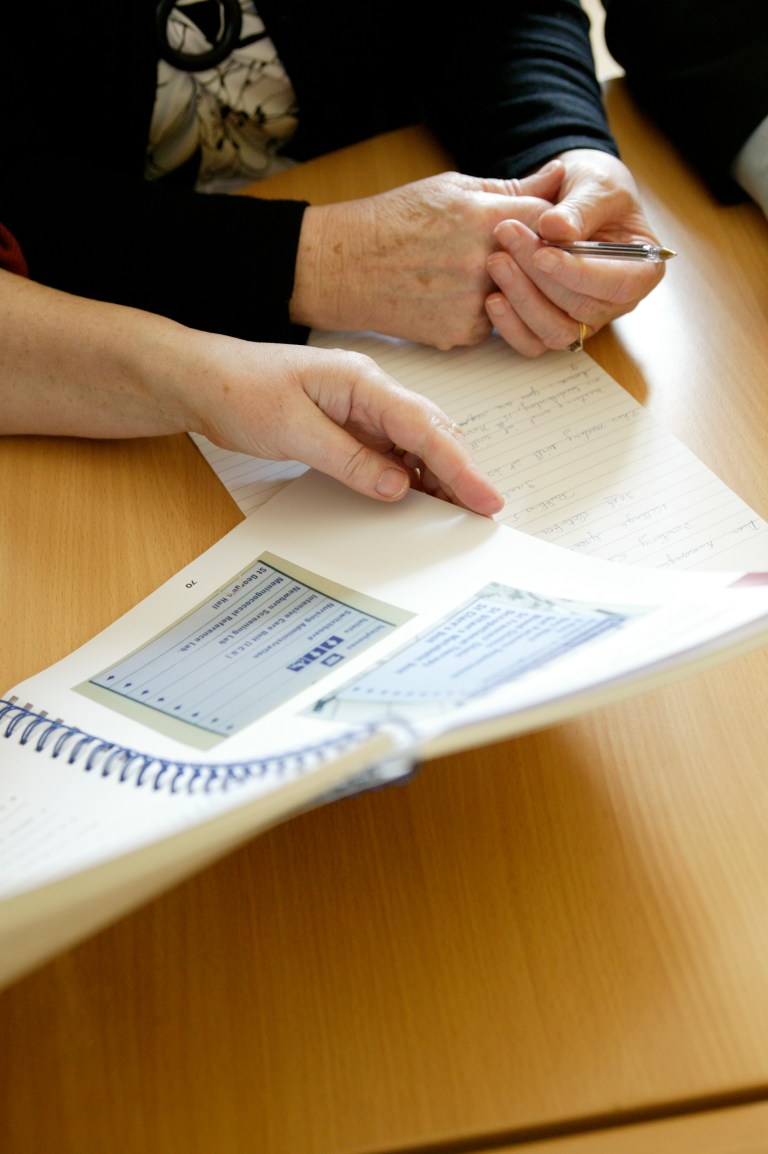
[(155, 362), (331, 284)]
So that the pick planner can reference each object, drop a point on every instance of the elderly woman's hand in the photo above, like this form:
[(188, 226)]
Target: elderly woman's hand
[(545, 295), (411, 263)]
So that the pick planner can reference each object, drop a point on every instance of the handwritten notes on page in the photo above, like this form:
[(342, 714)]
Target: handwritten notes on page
[(579, 462)]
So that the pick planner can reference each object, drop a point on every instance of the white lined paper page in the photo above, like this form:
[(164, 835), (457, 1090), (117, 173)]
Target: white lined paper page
[(251, 481), (579, 462)]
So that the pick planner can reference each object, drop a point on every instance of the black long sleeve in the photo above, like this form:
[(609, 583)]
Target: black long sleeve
[(505, 86), (505, 94), (504, 89), (700, 69), (77, 87)]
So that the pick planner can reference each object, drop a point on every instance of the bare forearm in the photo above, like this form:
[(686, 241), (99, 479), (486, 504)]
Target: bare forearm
[(74, 367), (70, 366)]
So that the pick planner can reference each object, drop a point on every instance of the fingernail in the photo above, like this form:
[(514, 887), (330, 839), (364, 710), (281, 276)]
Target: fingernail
[(506, 233), (392, 483), (547, 260)]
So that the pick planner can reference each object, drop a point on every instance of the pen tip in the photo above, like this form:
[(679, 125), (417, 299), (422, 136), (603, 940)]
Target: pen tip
[(666, 253)]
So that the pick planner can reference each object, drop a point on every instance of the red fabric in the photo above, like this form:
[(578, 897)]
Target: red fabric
[(11, 256)]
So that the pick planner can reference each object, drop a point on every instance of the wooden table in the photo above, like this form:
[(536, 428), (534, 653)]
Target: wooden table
[(559, 940)]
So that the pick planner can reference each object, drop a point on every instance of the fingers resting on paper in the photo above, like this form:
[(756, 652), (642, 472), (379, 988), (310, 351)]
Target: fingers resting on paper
[(120, 372), (340, 413)]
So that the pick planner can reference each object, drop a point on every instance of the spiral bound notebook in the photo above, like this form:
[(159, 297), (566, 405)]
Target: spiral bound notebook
[(289, 665)]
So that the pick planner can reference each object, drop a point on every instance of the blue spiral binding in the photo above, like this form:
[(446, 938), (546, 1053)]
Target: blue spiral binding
[(106, 759)]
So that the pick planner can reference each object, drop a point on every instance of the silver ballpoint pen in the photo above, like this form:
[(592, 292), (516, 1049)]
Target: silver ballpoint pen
[(615, 250)]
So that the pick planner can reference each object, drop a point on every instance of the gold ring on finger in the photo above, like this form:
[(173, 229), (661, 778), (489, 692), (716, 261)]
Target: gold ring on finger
[(584, 332)]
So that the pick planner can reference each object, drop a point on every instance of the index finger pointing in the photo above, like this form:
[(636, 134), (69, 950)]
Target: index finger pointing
[(446, 465)]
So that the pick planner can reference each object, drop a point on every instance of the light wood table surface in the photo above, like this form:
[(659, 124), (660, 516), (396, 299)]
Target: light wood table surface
[(557, 944)]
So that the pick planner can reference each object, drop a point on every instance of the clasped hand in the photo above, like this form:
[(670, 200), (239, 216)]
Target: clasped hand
[(444, 260)]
